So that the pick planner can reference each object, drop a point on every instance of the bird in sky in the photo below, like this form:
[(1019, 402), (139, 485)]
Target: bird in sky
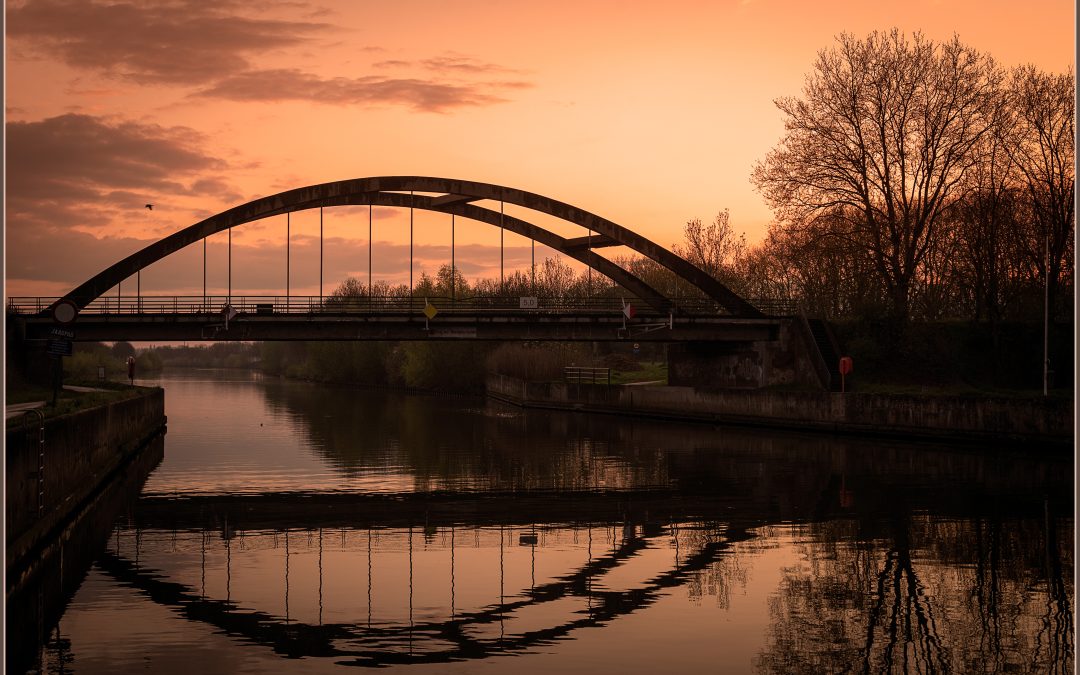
[(150, 206)]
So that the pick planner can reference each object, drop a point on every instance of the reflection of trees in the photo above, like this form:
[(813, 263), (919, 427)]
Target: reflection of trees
[(448, 443), (927, 596)]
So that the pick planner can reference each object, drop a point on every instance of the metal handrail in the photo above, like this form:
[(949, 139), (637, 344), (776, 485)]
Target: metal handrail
[(313, 304), (587, 375)]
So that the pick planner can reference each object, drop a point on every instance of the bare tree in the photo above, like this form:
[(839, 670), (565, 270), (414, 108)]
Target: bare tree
[(715, 247), (1040, 138), (882, 137)]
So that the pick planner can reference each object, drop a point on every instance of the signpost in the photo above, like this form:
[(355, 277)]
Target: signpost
[(59, 346), (846, 365), (528, 302)]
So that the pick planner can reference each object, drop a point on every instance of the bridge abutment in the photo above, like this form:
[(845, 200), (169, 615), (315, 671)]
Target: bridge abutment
[(26, 363), (786, 361)]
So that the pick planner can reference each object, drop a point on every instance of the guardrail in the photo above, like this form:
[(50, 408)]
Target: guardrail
[(270, 305), (303, 304), (584, 375)]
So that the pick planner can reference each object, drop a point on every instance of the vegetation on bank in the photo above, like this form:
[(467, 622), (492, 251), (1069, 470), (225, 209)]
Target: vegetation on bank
[(68, 401), (436, 366), (88, 358)]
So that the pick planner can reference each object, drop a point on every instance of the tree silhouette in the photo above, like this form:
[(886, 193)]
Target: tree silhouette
[(881, 139)]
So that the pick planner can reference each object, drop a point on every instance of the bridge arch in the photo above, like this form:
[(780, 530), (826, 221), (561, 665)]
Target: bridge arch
[(455, 198)]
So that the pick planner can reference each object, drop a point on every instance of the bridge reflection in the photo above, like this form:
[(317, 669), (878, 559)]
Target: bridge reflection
[(930, 594), (512, 621)]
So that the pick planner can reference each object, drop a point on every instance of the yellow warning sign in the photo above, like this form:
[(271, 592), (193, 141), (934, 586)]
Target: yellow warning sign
[(429, 310)]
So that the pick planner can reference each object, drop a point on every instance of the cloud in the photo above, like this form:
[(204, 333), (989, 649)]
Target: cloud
[(87, 173), (294, 85), (216, 47), (455, 64), (463, 64), (186, 42)]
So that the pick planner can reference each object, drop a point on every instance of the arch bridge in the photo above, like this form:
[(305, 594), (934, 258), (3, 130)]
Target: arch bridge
[(642, 312)]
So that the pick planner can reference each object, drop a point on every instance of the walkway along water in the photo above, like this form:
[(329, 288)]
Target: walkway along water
[(932, 417)]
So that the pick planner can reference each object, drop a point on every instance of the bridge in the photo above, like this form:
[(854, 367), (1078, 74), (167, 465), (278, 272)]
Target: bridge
[(633, 309)]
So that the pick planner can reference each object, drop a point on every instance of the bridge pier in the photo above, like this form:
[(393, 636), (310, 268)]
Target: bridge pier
[(786, 361), (26, 363)]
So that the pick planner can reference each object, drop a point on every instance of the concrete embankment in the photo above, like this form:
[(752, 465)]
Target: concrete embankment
[(54, 468), (932, 417)]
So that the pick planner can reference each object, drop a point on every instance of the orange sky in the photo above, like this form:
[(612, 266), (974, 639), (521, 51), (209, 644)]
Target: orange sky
[(647, 114)]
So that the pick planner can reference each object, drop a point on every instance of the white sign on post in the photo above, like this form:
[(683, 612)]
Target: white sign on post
[(528, 302)]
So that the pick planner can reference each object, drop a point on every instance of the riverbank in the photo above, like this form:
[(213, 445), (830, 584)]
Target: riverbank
[(56, 465), (971, 419)]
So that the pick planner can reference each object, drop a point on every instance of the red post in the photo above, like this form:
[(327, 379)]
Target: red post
[(846, 366)]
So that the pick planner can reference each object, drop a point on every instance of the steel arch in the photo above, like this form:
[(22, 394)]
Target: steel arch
[(456, 195)]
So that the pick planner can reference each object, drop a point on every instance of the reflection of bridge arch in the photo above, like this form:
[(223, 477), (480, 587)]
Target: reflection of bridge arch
[(455, 199), (436, 641)]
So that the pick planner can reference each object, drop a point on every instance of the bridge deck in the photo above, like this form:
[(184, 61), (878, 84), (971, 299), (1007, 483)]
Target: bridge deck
[(312, 318)]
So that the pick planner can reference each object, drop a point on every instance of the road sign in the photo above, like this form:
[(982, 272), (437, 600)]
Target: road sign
[(58, 348), (846, 365), (528, 302), (65, 311), (429, 310), (628, 311)]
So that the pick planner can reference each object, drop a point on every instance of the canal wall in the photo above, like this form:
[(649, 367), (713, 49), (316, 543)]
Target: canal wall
[(931, 417), (47, 482), (50, 579)]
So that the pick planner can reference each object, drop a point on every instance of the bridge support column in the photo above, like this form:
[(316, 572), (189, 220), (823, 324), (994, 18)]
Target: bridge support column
[(744, 365), (26, 362)]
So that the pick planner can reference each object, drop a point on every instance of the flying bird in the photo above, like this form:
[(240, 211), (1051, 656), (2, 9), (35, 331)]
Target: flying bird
[(150, 206)]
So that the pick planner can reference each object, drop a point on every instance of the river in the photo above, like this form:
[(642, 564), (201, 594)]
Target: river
[(300, 528)]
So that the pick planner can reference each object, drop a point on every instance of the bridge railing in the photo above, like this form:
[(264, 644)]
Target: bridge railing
[(586, 375), (299, 304), (270, 305)]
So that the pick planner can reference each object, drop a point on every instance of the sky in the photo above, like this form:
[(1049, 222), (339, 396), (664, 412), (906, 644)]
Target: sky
[(648, 114)]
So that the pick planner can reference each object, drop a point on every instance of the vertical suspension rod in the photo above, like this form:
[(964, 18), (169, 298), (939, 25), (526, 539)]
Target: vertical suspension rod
[(369, 252), (410, 246), (320, 256), (453, 262), (230, 266), (288, 257), (502, 236)]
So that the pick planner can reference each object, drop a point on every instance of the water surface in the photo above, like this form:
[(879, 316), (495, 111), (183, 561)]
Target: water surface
[(294, 527)]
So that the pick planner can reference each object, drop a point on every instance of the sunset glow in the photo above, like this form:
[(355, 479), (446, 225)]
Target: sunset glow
[(646, 115)]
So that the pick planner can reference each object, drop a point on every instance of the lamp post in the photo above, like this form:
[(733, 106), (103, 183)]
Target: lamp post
[(1046, 318)]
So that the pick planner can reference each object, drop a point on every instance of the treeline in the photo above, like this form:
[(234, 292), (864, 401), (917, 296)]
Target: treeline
[(213, 355), (87, 358), (919, 180), (437, 366), (551, 278)]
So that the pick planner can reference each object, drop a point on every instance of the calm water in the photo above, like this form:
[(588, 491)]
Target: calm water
[(293, 527)]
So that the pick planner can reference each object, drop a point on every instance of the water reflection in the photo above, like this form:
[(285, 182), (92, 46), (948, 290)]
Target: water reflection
[(425, 612), (926, 595), (298, 527), (36, 598)]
